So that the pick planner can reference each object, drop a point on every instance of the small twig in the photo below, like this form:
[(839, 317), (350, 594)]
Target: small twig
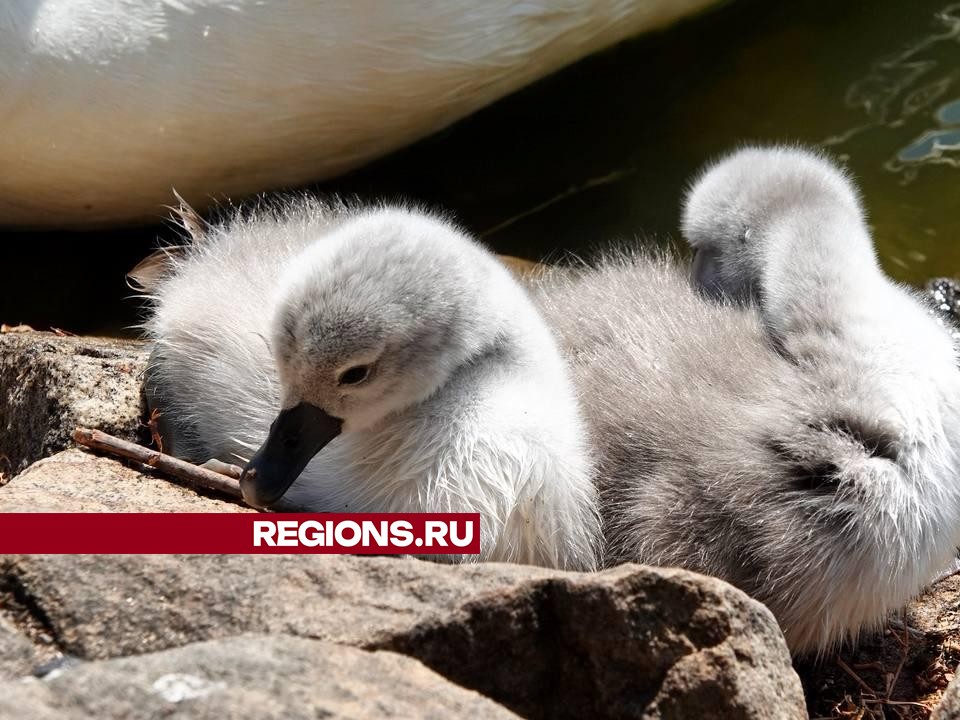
[(187, 472), (153, 424), (905, 703), (849, 671), (905, 651)]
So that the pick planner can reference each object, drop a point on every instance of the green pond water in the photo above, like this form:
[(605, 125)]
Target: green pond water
[(603, 150)]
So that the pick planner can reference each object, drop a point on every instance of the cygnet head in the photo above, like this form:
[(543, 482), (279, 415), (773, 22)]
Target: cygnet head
[(370, 319), (734, 209)]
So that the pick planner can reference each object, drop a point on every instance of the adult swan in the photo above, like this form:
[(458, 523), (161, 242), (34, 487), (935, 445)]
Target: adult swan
[(108, 104)]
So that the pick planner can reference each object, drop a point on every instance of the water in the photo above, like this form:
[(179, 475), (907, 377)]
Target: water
[(602, 151)]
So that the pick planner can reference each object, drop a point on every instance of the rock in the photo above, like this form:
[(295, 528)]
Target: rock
[(18, 656), (949, 707), (248, 677), (937, 612), (629, 642), (78, 481), (51, 384)]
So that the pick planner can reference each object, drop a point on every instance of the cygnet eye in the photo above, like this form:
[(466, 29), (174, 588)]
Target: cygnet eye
[(353, 376)]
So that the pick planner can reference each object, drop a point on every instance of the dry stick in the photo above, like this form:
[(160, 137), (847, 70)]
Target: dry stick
[(905, 651), (849, 671), (187, 472)]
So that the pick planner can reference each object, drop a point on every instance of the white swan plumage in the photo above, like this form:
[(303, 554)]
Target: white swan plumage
[(107, 104), (791, 426), (441, 388)]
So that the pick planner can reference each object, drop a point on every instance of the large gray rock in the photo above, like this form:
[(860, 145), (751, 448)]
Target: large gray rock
[(78, 481), (49, 385), (949, 707), (251, 677), (628, 642), (18, 655)]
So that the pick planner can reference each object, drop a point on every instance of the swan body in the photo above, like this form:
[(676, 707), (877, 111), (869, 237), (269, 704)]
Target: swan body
[(399, 352), (789, 426), (107, 104)]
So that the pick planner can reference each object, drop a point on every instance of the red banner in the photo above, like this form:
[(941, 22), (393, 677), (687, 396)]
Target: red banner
[(217, 533)]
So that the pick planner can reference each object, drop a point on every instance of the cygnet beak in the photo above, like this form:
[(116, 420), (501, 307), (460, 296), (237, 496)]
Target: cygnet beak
[(295, 437), (705, 271)]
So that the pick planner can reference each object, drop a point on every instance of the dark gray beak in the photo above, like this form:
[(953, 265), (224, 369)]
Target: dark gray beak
[(706, 273), (295, 437)]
